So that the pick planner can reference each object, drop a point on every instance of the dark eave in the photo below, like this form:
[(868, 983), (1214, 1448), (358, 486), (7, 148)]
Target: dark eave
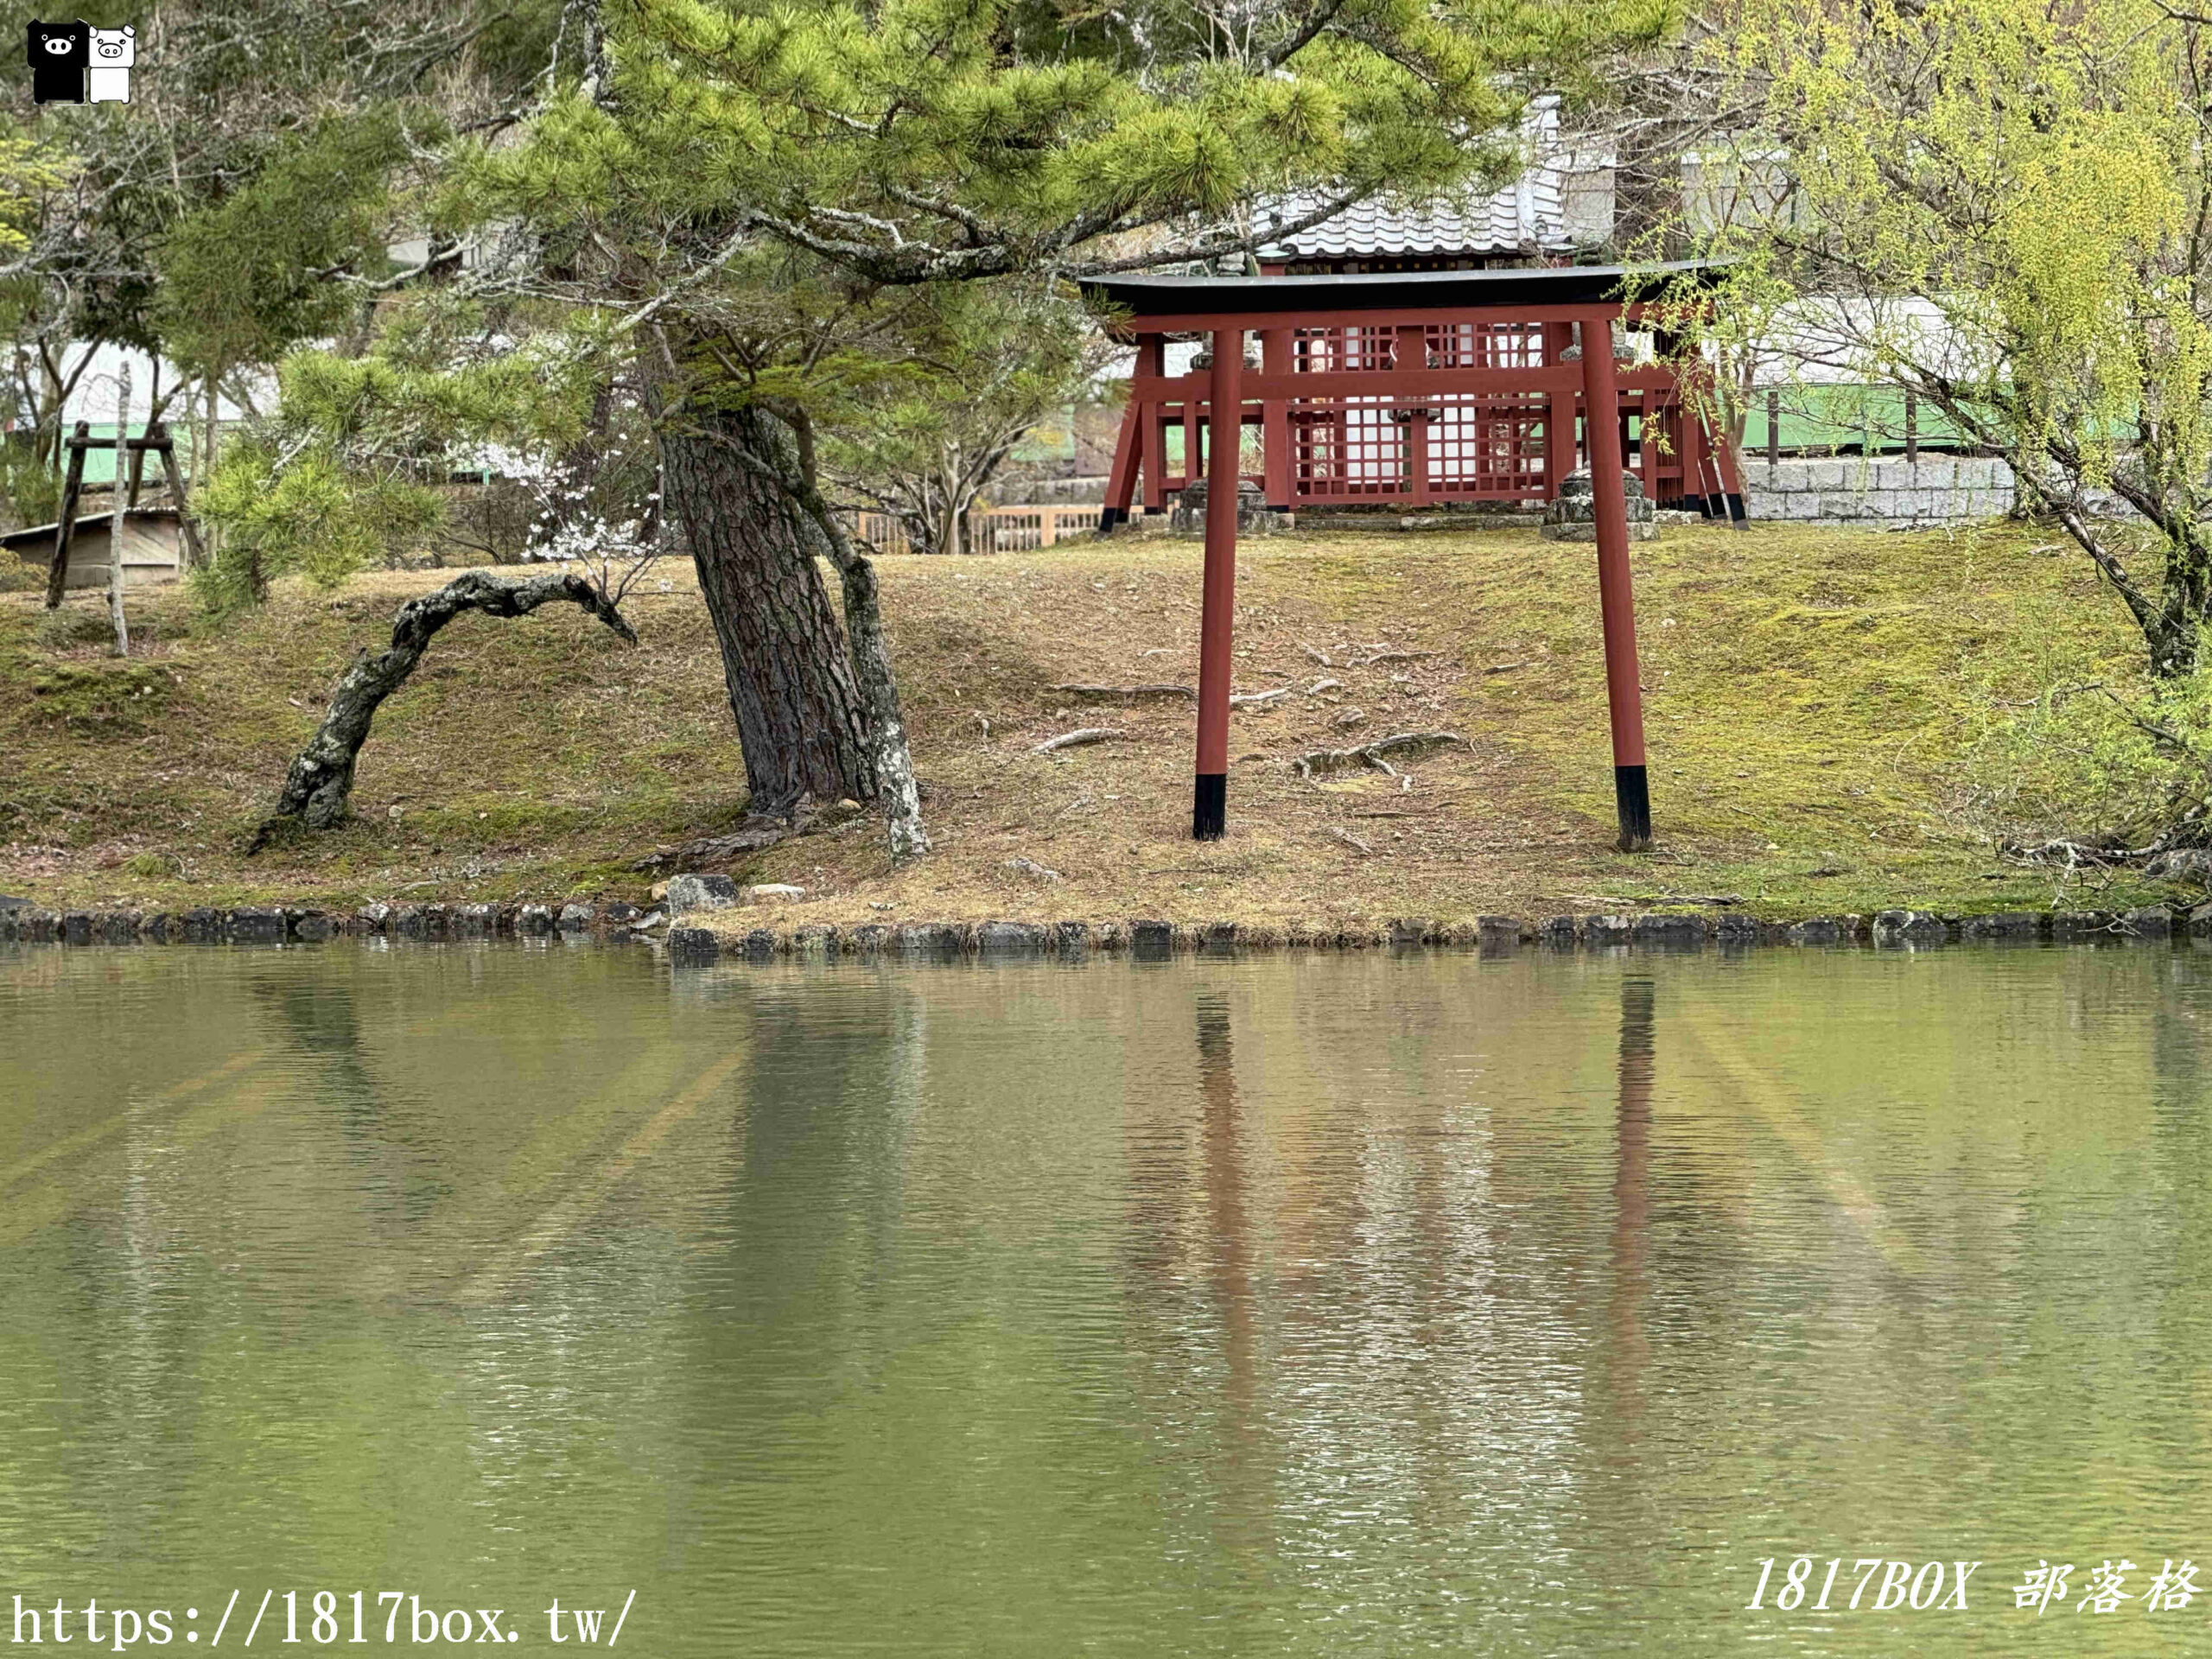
[(1392, 290)]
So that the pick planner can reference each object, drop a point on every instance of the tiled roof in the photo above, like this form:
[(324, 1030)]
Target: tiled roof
[(1527, 216)]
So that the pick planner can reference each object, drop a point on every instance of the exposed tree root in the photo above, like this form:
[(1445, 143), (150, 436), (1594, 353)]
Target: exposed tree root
[(754, 833), (1125, 693), (1367, 657), (1404, 744), (1163, 692)]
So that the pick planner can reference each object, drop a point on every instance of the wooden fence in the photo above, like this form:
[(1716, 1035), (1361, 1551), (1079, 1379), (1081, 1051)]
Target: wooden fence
[(991, 529)]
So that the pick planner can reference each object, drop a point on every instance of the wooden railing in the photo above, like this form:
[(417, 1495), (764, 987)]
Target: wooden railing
[(1020, 530), (991, 529)]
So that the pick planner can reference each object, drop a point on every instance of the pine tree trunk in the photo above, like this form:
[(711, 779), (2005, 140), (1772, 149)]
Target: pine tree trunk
[(944, 533), (800, 719), (901, 793)]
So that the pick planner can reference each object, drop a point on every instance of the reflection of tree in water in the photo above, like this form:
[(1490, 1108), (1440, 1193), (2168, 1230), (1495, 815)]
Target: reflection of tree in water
[(832, 1084), (2181, 1025), (318, 1015)]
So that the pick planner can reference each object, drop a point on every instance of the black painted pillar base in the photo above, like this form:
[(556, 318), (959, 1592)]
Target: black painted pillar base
[(1110, 517), (1736, 514), (1632, 792), (1210, 807)]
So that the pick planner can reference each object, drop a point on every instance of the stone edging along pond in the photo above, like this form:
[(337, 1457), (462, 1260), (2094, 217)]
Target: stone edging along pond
[(1148, 939)]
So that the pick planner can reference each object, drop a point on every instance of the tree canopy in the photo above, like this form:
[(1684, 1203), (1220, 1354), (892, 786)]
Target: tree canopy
[(925, 141), (2004, 208)]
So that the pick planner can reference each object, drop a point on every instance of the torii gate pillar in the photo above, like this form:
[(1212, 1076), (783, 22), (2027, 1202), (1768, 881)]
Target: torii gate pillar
[(1616, 591), (1225, 424)]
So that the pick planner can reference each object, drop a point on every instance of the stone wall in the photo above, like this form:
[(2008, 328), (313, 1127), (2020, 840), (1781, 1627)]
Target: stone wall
[(1887, 491), (1880, 492), (578, 923)]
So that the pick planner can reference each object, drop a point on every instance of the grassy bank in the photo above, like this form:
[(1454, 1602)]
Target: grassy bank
[(1816, 698)]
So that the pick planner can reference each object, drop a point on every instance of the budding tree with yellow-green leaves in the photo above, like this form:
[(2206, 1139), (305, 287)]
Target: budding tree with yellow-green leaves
[(2005, 207)]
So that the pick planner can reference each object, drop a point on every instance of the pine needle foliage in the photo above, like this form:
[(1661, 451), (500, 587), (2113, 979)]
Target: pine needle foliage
[(925, 141)]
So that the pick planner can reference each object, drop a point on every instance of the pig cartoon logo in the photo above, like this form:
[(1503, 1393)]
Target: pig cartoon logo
[(114, 50), (59, 54)]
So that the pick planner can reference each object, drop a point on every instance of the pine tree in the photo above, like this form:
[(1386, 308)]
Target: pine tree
[(743, 186)]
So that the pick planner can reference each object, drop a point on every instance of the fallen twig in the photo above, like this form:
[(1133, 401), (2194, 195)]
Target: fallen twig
[(1349, 839), (1075, 739), (2075, 854), (1722, 900), (1246, 699)]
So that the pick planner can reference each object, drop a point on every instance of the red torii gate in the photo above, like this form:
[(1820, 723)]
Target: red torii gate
[(1344, 418)]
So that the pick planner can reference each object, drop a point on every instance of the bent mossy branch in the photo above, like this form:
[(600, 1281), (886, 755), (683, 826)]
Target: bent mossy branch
[(320, 784)]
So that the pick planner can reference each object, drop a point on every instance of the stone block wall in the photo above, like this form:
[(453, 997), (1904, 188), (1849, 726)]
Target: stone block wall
[(1880, 492)]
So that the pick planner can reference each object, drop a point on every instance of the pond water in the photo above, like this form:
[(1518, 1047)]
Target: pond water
[(1275, 1305)]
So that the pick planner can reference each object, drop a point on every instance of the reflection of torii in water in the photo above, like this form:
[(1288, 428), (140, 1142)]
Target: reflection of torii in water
[(1228, 1228), (1632, 1194), (1191, 1260)]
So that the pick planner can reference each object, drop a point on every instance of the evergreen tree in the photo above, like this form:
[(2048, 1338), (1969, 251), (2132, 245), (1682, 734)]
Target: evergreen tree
[(743, 189)]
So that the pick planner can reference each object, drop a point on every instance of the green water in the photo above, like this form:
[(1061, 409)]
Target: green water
[(1285, 1305)]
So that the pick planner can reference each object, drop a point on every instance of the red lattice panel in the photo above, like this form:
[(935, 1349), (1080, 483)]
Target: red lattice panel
[(1361, 448), (1347, 449), (1329, 350), (1484, 344), (1486, 449)]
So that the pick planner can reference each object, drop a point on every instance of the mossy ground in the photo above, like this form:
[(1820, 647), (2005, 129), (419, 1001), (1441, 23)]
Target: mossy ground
[(1814, 697)]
